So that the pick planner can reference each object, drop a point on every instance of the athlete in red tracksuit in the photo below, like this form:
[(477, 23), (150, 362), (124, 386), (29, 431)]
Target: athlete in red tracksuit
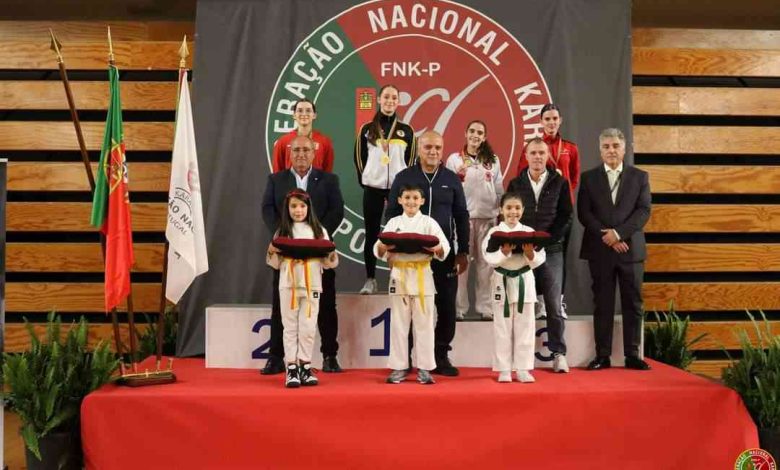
[(305, 114)]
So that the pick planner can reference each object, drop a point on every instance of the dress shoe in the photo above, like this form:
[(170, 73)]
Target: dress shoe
[(273, 366), (601, 362), (445, 367), (633, 362), (331, 364)]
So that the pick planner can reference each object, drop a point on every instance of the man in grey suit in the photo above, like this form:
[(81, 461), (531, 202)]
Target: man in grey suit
[(614, 206)]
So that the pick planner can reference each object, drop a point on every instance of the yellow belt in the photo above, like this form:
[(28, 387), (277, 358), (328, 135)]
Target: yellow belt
[(291, 262), (420, 267)]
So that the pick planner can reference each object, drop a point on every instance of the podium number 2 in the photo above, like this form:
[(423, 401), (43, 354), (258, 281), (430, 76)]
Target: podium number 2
[(262, 351), (382, 318)]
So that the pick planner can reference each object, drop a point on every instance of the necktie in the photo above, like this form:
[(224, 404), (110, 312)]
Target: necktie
[(614, 180)]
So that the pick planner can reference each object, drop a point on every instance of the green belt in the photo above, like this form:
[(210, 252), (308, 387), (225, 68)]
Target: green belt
[(520, 284)]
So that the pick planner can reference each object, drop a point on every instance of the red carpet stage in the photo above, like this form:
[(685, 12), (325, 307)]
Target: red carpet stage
[(237, 419)]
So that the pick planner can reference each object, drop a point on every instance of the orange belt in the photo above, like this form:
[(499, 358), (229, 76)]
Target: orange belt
[(291, 262), (420, 267)]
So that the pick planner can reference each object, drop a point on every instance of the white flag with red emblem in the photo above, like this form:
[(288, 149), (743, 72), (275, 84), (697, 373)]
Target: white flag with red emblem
[(185, 230)]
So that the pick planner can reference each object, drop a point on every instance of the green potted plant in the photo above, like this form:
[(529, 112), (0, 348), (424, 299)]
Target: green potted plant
[(756, 377), (45, 386), (666, 339)]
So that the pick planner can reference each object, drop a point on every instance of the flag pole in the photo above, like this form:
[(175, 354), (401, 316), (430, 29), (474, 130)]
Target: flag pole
[(183, 53), (56, 46), (130, 317)]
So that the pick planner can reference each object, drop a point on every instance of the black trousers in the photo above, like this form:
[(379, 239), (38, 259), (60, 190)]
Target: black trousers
[(606, 273), (445, 280), (373, 207), (327, 320)]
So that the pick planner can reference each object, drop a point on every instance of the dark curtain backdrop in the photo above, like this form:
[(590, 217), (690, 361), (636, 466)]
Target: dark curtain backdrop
[(582, 48)]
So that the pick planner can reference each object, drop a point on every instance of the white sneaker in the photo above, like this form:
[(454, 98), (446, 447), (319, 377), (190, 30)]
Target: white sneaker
[(560, 364), (540, 308), (460, 316), (563, 309), (369, 287), (486, 316), (525, 377), (505, 376)]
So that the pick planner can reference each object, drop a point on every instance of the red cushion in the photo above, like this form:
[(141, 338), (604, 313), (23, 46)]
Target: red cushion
[(303, 248), (498, 238), (408, 242)]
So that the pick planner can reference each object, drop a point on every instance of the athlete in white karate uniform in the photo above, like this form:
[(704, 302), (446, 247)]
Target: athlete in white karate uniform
[(412, 289), (300, 287), (514, 295)]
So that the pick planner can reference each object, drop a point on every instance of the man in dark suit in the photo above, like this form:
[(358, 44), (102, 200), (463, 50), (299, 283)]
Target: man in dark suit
[(329, 207), (614, 206)]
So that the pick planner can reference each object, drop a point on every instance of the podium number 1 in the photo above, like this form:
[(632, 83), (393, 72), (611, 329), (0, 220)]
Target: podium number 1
[(382, 318)]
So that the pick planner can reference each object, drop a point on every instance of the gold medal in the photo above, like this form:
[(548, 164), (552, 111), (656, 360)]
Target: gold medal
[(385, 159)]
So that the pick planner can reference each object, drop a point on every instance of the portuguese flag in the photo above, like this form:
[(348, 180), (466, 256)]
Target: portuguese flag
[(111, 201)]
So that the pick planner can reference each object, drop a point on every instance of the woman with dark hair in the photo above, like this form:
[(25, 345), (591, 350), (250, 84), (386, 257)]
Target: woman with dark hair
[(383, 147), (304, 114), (479, 170), (565, 159)]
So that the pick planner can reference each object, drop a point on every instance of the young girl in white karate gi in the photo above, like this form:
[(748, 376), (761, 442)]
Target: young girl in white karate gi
[(300, 287), (411, 289), (514, 295)]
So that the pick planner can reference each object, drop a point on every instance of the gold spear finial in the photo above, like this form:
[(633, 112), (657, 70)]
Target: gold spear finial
[(183, 53), (110, 47), (56, 46)]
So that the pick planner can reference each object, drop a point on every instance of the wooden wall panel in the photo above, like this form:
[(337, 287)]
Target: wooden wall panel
[(713, 257), (706, 62), (74, 297), (709, 101), (705, 38), (709, 368), (40, 135), (707, 140), (74, 216), (45, 95), (723, 334), (76, 257), (80, 31), (712, 295), (93, 55), (730, 218), (711, 179), (17, 339), (45, 176)]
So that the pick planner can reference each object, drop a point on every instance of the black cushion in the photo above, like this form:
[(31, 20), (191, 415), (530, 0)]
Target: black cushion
[(408, 242), (498, 238)]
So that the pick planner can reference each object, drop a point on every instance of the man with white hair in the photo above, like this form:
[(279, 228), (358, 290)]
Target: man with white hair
[(614, 206)]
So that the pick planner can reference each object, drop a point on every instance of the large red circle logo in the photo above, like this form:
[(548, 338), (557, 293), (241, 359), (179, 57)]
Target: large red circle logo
[(452, 65)]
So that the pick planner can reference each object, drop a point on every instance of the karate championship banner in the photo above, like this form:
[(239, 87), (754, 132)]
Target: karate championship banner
[(453, 62)]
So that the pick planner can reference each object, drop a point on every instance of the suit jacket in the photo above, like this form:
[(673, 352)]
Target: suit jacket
[(628, 215), (325, 198)]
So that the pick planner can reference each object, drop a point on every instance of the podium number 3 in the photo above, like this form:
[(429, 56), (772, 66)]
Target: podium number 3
[(262, 352)]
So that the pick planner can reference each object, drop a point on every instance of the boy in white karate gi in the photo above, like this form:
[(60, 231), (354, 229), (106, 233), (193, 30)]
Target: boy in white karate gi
[(411, 289)]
